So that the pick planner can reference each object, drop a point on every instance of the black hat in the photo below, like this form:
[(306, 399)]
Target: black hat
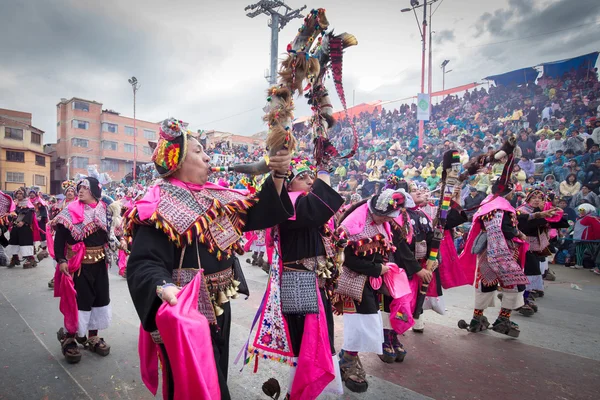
[(389, 202), (92, 184)]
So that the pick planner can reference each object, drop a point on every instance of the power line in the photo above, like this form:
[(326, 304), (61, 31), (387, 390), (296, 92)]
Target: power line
[(528, 37), (437, 7)]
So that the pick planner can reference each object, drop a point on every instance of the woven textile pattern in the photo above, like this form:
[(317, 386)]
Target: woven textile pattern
[(371, 229), (299, 292), (93, 219), (351, 284), (271, 336), (4, 205), (496, 264)]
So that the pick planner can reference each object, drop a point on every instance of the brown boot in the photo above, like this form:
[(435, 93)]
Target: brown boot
[(353, 373), (29, 262), (14, 261)]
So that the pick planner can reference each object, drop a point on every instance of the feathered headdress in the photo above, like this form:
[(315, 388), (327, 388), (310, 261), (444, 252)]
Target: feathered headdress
[(68, 185)]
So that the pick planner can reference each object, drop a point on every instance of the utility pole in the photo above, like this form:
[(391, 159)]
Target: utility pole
[(278, 21), (414, 4), (135, 86)]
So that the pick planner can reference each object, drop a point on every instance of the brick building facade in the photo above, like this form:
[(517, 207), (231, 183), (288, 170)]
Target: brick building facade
[(90, 135)]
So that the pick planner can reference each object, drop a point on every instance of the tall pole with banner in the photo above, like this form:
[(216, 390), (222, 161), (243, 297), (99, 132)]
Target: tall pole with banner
[(420, 96)]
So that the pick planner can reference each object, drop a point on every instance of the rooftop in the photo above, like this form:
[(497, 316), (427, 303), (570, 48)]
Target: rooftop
[(18, 124)]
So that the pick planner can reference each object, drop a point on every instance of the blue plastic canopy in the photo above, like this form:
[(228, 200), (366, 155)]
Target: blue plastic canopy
[(558, 68), (518, 77)]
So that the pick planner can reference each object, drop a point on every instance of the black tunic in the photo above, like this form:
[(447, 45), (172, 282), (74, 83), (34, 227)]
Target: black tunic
[(300, 239), (154, 257), (42, 215), (23, 236), (91, 281)]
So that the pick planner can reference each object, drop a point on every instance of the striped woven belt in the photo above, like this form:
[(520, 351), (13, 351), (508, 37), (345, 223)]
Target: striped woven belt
[(310, 263)]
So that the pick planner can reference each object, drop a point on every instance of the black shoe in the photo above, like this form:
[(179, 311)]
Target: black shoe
[(506, 327), (477, 324), (526, 310)]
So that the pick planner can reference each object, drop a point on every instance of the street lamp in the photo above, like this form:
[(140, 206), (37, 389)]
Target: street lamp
[(135, 86), (423, 31), (443, 66)]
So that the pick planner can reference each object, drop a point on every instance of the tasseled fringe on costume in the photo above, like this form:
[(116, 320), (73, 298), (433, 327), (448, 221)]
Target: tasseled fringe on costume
[(369, 246), (87, 230), (199, 229), (257, 354)]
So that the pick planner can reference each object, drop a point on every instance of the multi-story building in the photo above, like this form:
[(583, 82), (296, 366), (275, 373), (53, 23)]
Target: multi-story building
[(22, 158), (89, 135)]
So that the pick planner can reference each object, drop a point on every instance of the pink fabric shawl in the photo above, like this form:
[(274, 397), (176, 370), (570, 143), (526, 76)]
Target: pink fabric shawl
[(355, 222), (64, 287), (122, 262), (50, 240), (146, 206), (469, 260), (186, 335), (452, 273), (315, 364), (398, 285)]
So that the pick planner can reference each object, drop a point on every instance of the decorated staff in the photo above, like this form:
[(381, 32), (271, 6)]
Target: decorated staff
[(450, 174), (311, 54)]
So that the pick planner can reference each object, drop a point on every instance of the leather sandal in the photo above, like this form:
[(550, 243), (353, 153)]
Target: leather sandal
[(97, 345)]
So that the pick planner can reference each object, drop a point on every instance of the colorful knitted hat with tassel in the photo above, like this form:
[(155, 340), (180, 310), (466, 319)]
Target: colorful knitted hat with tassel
[(299, 166), (171, 148)]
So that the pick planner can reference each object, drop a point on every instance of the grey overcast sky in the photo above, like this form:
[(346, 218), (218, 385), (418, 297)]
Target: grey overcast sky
[(203, 61)]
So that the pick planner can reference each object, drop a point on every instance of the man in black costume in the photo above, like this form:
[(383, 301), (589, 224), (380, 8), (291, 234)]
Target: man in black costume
[(21, 235), (183, 224), (94, 222)]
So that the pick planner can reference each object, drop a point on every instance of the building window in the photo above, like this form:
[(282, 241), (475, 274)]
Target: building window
[(76, 142), (40, 160), (15, 156), (128, 148), (147, 151), (39, 180), (13, 133), (81, 124), (36, 138), (15, 177), (112, 128), (80, 162), (108, 145), (149, 134), (129, 130), (81, 106), (110, 165)]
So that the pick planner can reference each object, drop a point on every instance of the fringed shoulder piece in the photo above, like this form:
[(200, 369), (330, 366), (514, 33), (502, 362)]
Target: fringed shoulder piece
[(212, 217), (369, 238), (93, 219)]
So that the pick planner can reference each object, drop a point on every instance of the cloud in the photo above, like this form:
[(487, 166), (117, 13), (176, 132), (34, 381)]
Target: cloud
[(442, 36), (204, 62)]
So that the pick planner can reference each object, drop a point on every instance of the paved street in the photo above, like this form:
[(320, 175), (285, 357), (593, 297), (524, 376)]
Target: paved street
[(556, 357)]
